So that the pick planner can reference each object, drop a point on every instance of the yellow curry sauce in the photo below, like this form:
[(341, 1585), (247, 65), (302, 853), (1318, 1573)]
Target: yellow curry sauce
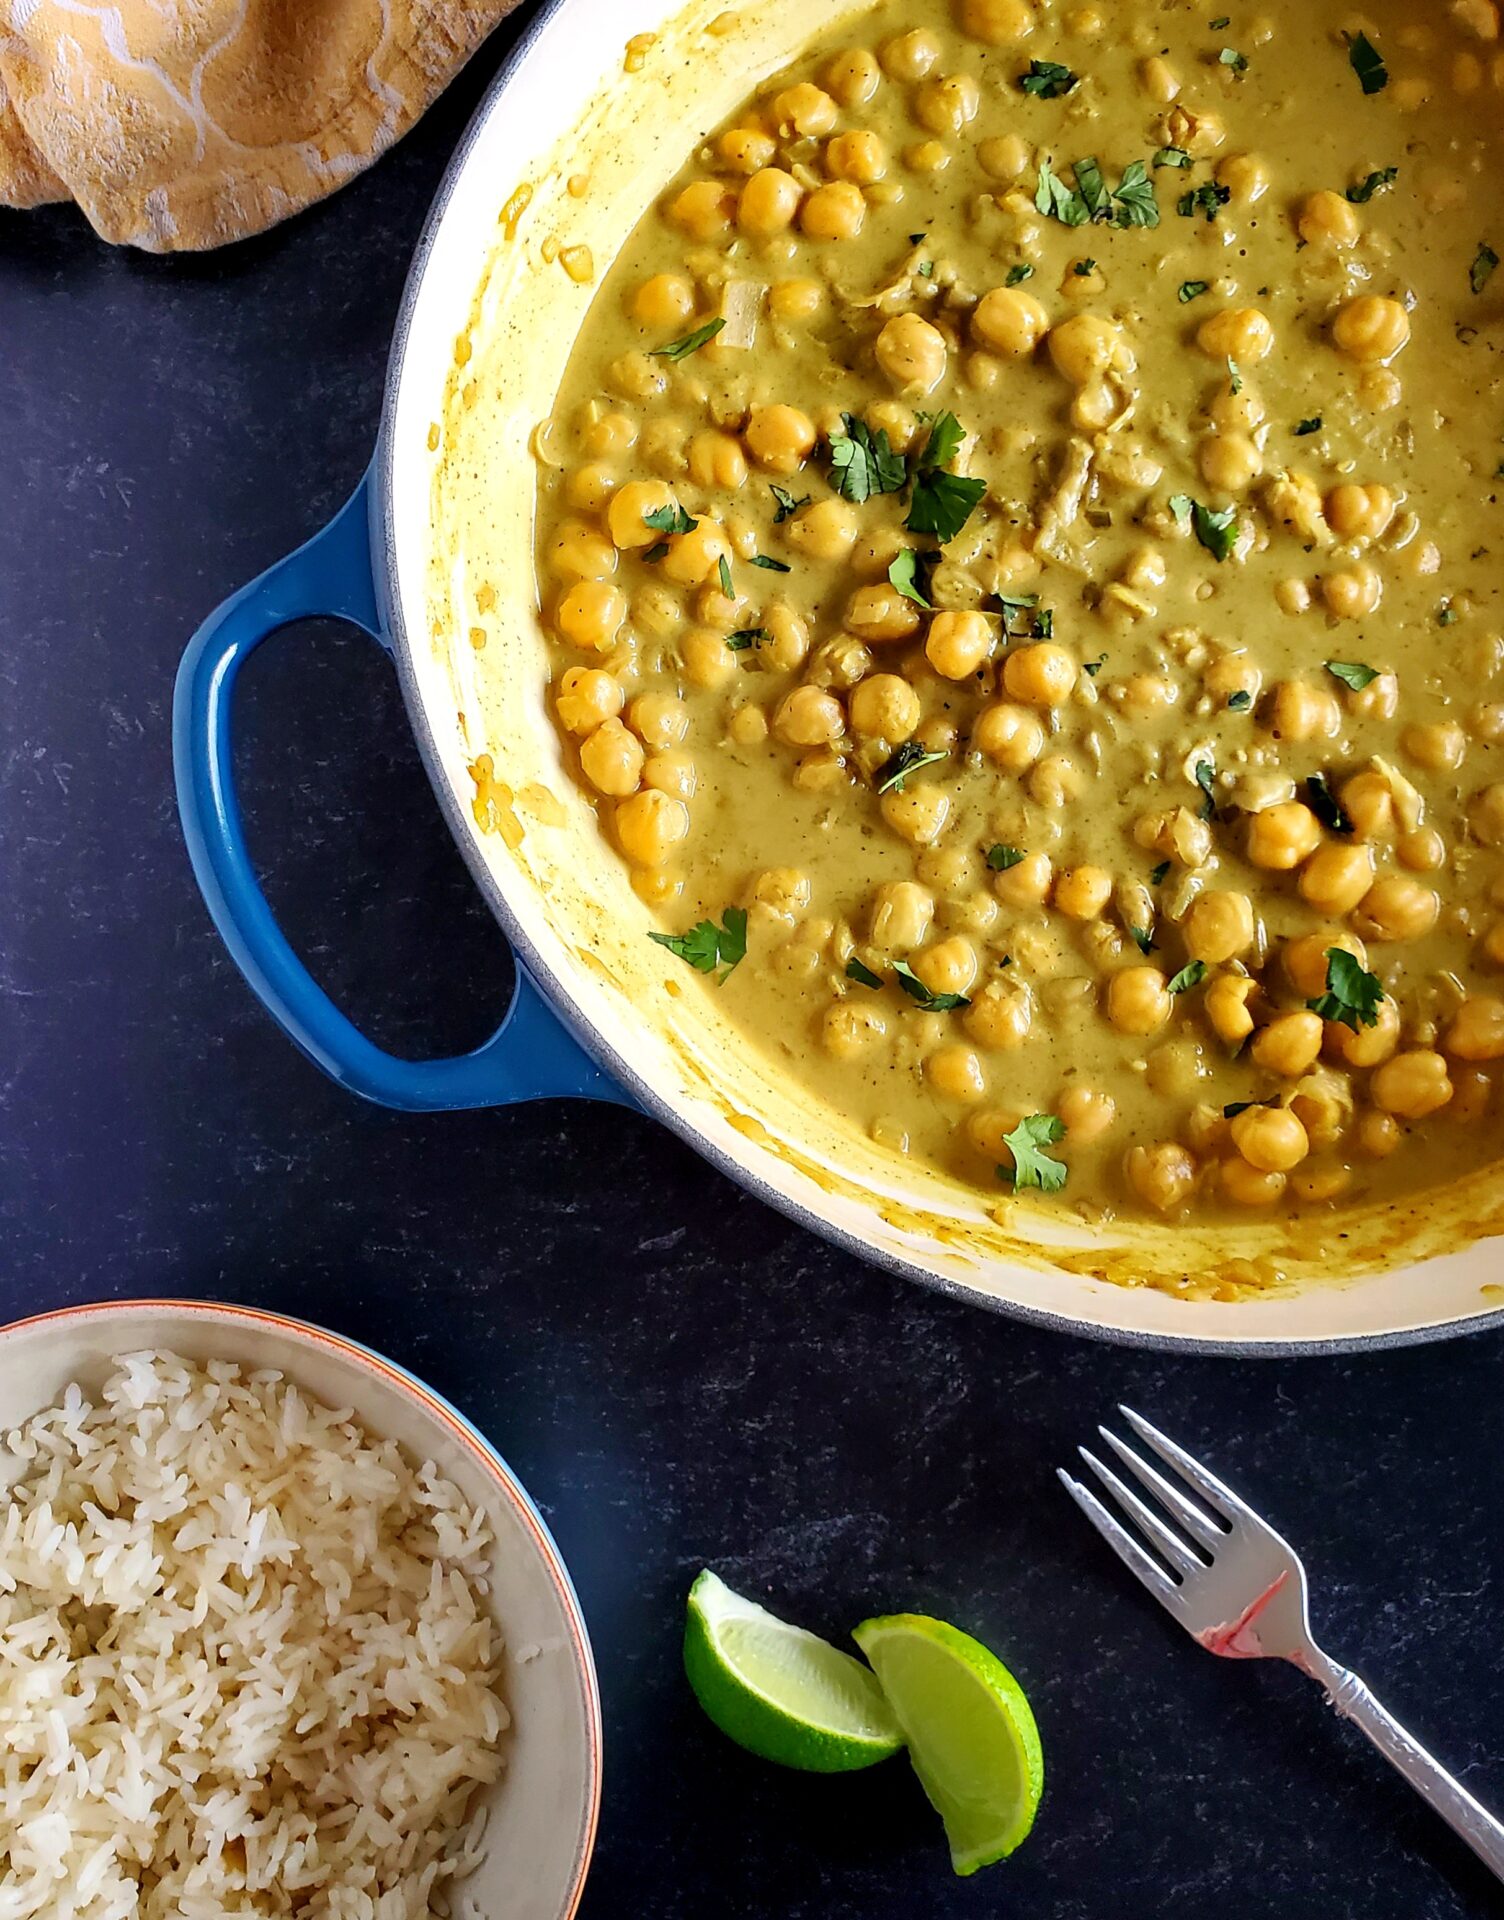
[(1059, 603)]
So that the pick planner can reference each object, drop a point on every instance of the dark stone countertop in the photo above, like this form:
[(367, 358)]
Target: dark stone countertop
[(680, 1376)]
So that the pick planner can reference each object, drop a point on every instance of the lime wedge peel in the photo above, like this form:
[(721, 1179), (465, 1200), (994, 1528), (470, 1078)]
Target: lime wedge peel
[(781, 1692), (971, 1735)]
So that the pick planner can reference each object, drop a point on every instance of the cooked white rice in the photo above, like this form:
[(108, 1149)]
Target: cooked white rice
[(247, 1665)]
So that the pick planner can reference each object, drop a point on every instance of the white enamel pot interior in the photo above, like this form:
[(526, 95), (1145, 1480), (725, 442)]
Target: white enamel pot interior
[(487, 327)]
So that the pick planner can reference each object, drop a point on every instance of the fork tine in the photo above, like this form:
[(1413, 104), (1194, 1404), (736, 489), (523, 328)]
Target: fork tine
[(1220, 1498), (1122, 1543), (1167, 1543), (1190, 1516)]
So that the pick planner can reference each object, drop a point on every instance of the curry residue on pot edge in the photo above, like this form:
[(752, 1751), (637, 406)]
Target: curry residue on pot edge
[(1024, 566)]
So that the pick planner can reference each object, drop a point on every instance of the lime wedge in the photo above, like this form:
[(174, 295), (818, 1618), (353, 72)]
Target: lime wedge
[(779, 1691), (971, 1736)]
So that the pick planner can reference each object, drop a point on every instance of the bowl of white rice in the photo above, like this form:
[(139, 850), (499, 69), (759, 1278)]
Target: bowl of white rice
[(280, 1634)]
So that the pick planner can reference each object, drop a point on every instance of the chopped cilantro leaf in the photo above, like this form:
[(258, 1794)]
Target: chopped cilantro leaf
[(909, 758), (769, 564), (1093, 667), (708, 946), (1240, 701), (669, 519), (787, 504), (1084, 268), (863, 976), (1447, 615), (904, 574), (1172, 157), (1134, 193), (1352, 673), (727, 585), (1367, 62), (1192, 290), (1157, 874), (1230, 57), (1190, 975), (1048, 80), (1206, 772), (917, 991), (1031, 1166), (1222, 20), (1327, 808), (1352, 993), (1303, 427), (1142, 939), (942, 502), (655, 552), (690, 343), (746, 637), (1000, 858), (1217, 531), (1208, 198), (863, 463), (1016, 276), (1053, 197), (1373, 183), (1482, 269)]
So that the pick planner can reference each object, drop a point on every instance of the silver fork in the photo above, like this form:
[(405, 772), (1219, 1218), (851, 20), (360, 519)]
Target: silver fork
[(1239, 1590)]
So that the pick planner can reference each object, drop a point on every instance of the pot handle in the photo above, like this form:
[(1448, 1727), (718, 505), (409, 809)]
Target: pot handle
[(532, 1055)]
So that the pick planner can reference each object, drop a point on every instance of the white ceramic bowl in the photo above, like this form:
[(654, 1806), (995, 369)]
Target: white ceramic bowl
[(543, 1810)]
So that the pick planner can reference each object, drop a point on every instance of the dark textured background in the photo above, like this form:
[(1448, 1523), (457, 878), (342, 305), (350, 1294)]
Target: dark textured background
[(680, 1376)]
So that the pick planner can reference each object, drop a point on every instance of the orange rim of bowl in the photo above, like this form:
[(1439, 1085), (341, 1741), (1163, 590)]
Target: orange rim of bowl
[(473, 1440)]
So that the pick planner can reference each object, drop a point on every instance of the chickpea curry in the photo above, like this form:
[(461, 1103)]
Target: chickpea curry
[(1023, 558)]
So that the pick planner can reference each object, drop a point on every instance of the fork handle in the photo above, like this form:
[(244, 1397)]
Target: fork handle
[(1355, 1701)]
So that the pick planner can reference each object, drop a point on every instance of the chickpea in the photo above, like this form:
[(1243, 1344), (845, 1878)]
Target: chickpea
[(716, 460), (1138, 1000), (948, 105), (627, 515), (1230, 462), (1039, 675), (948, 966), (825, 531), (1368, 800), (1281, 836), (672, 772), (1371, 329), (1159, 79), (1003, 156), (809, 717), (1009, 323), (586, 698), (1219, 926), (852, 76), (1086, 1113), (745, 149), (1162, 1176), (1247, 1186), (1368, 1046), (1476, 1031), (693, 557), (909, 56), (590, 615), (649, 825), (1493, 944), (1396, 908), (779, 438), (1326, 217), (1084, 347), (803, 110), (1243, 334), (708, 661), (1412, 1084), (1301, 711), (1000, 23), (987, 1131), (1270, 1138), (836, 211), (1359, 513), (884, 707), (1245, 176), (769, 202), (1054, 781), (1336, 877), (999, 1016), (851, 1026), (611, 759), (659, 719), (918, 814), (900, 915), (1351, 593), (1472, 1095), (912, 353), (1226, 1002), (1082, 893), (860, 157), (957, 644), (879, 613), (581, 553), (956, 1073), (1485, 815), (1439, 747), (1377, 701), (666, 300), (1305, 958), (1378, 1134), (1289, 1044), (1027, 883), (703, 210), (1240, 412), (795, 300), (1011, 737)]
